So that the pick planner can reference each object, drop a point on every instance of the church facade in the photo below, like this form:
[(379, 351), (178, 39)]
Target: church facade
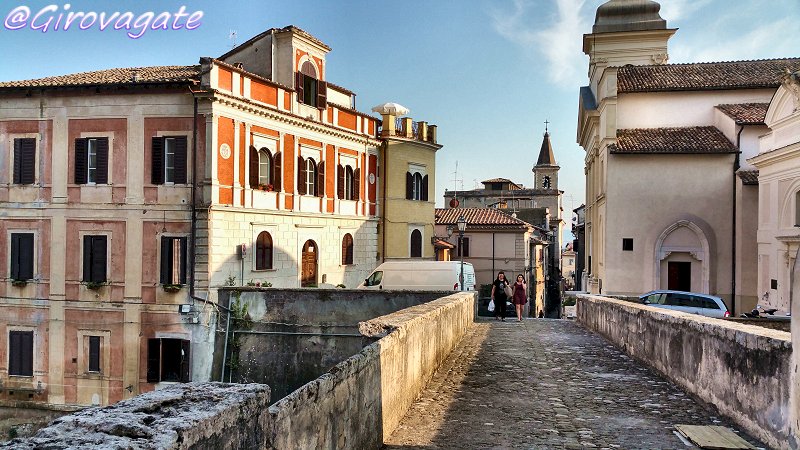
[(670, 197)]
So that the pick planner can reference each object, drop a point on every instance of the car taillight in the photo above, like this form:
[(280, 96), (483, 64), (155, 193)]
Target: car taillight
[(455, 287), (727, 313)]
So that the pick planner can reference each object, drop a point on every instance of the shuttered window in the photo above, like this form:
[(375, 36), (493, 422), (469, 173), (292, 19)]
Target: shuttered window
[(347, 249), (21, 256), (95, 258), (94, 353), (416, 244), (264, 251), (169, 160), (168, 360), (264, 167), (91, 161), (20, 353), (310, 90), (463, 249), (24, 161), (311, 177), (173, 260)]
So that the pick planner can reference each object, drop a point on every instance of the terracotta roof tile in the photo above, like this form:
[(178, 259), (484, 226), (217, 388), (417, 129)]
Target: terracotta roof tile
[(705, 76), (479, 218), (672, 140), (131, 75), (749, 177), (745, 113)]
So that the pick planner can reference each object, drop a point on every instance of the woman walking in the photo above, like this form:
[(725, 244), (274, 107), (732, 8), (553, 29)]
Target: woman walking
[(520, 295), (499, 296)]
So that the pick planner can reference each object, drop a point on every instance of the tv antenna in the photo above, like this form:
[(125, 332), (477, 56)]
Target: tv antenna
[(232, 37)]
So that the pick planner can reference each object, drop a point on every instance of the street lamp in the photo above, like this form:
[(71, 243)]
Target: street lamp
[(462, 225)]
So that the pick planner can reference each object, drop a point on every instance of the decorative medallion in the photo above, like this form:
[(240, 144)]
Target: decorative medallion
[(372, 178), (454, 203), (225, 151)]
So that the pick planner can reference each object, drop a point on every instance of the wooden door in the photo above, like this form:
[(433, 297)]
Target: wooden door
[(680, 276), (308, 264)]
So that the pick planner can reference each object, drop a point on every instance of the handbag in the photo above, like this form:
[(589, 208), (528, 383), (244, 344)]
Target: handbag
[(491, 305), (508, 291)]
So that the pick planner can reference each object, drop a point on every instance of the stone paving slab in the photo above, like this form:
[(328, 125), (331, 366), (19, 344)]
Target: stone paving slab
[(546, 384)]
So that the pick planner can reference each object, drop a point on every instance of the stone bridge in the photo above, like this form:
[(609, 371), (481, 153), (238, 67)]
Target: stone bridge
[(623, 376)]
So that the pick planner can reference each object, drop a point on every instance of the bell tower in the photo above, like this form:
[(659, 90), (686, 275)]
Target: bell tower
[(545, 172)]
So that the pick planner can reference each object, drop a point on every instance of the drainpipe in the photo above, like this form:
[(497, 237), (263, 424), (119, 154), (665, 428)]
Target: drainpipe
[(194, 204), (384, 205), (733, 231), (492, 254)]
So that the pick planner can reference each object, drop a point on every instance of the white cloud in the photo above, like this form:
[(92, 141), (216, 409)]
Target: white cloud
[(677, 9), (770, 40), (560, 42)]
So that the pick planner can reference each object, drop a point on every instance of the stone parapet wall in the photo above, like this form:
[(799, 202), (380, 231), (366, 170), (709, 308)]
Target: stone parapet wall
[(363, 398), (743, 370), (183, 416)]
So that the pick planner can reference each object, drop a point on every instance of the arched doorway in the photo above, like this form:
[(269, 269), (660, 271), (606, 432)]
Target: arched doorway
[(682, 258), (308, 264)]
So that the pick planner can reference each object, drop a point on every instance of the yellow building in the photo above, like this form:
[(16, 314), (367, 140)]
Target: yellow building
[(408, 169)]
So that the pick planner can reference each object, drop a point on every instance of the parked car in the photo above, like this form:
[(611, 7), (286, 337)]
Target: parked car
[(420, 275), (689, 302)]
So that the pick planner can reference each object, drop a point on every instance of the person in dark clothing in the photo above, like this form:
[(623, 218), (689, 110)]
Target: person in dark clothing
[(499, 296)]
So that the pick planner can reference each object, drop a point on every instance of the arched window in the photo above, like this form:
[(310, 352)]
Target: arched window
[(416, 244), (546, 183), (348, 183), (347, 249), (797, 209), (416, 186), (264, 251), (264, 167), (311, 176)]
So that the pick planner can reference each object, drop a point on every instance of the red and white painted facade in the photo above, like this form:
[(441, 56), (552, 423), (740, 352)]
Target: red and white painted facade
[(230, 109)]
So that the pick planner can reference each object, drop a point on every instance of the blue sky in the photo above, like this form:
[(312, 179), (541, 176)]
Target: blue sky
[(489, 73)]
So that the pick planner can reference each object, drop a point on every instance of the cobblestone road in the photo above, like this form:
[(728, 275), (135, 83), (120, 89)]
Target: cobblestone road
[(546, 384)]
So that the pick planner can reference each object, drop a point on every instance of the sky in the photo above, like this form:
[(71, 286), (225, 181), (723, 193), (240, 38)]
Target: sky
[(487, 72)]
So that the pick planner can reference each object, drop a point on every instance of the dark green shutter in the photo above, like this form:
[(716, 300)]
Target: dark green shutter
[(166, 260), (101, 172), (319, 186), (340, 179), (99, 256), (181, 150), (322, 94), (24, 161), (409, 186), (302, 174), (357, 184), (87, 258), (425, 188), (157, 174), (276, 177), (94, 353), (21, 256), (81, 157)]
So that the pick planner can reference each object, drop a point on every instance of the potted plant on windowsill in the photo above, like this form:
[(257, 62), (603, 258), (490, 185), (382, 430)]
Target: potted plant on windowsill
[(172, 288), (19, 283), (265, 187), (94, 285)]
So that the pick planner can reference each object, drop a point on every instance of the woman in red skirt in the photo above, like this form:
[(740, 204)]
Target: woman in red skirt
[(520, 295)]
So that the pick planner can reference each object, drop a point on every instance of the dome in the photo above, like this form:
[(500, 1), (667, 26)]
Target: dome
[(628, 15)]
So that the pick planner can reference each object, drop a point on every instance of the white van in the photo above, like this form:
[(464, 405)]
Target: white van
[(420, 276)]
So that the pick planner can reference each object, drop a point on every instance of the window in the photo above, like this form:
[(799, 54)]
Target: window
[(627, 244), (94, 354), (374, 279), (24, 161), (416, 244), (546, 183), (416, 186), (797, 209), (347, 249), (95, 258), (463, 248), (263, 251), (310, 177), (21, 256), (168, 360), (173, 260), (20, 353), (349, 180), (91, 161), (169, 160), (310, 90), (265, 169)]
